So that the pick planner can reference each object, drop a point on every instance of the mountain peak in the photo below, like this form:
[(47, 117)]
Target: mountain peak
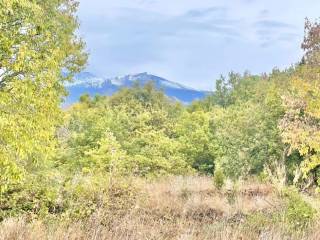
[(87, 82)]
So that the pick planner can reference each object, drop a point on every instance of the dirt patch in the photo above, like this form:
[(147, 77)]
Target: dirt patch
[(204, 214), (258, 191)]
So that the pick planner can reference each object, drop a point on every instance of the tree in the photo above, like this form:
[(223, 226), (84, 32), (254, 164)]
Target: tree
[(141, 121), (247, 134), (38, 52), (197, 142), (311, 43), (301, 124)]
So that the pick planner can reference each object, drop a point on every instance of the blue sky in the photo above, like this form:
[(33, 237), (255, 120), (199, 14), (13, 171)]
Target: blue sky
[(193, 41)]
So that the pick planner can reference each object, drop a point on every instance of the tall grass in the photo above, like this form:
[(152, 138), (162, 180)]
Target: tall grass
[(179, 208)]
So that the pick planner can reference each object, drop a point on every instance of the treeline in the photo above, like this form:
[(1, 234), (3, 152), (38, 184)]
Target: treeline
[(264, 126), (55, 161), (140, 131)]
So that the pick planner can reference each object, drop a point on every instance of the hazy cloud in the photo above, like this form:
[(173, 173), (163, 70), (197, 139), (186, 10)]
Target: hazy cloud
[(192, 42), (270, 32), (211, 11), (270, 24)]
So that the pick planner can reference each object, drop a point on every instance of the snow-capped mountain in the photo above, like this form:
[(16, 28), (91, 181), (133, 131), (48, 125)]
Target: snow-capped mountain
[(86, 82)]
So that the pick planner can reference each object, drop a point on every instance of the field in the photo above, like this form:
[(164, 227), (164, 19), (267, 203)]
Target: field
[(183, 208)]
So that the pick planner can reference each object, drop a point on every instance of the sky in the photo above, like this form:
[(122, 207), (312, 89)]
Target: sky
[(193, 42)]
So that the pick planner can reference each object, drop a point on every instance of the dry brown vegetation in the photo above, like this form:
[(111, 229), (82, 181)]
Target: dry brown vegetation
[(174, 208)]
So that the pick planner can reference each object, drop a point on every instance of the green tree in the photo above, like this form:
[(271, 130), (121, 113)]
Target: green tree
[(247, 134), (37, 44), (196, 140), (141, 119)]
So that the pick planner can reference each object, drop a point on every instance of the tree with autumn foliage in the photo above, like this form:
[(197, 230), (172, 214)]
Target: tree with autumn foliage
[(301, 124)]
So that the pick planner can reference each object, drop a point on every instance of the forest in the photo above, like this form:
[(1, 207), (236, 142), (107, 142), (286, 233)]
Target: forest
[(242, 163)]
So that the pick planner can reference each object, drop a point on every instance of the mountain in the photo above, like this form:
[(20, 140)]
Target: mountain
[(86, 82)]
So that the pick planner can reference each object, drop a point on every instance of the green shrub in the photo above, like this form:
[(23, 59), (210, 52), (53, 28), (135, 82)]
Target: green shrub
[(71, 199), (35, 196), (298, 213), (218, 179)]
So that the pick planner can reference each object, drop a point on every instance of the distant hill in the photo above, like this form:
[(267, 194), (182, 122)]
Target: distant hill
[(86, 82)]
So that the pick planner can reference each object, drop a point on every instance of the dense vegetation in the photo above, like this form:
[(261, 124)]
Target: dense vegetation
[(66, 164)]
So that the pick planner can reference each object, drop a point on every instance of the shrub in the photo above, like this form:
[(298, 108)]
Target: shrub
[(70, 199), (35, 196), (218, 179), (298, 213), (84, 195)]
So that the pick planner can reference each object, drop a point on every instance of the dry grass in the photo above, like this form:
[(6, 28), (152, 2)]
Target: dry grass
[(182, 208)]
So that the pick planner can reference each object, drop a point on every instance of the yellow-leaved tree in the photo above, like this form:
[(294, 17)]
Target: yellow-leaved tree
[(301, 124), (39, 50)]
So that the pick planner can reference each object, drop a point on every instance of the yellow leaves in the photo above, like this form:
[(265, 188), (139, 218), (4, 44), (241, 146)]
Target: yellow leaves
[(301, 124), (303, 150), (10, 173), (309, 164), (33, 39), (306, 85)]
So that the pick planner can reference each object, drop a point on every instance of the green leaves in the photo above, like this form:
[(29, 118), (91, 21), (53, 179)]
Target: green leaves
[(246, 131), (37, 43), (197, 143), (142, 137)]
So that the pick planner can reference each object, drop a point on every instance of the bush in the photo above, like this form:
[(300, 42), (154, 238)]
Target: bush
[(298, 213), (86, 194), (37, 195), (70, 199), (218, 179)]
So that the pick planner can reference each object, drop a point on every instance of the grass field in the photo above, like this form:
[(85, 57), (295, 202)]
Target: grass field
[(183, 208)]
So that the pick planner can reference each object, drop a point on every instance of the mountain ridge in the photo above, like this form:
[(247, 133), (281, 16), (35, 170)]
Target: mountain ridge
[(86, 82)]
